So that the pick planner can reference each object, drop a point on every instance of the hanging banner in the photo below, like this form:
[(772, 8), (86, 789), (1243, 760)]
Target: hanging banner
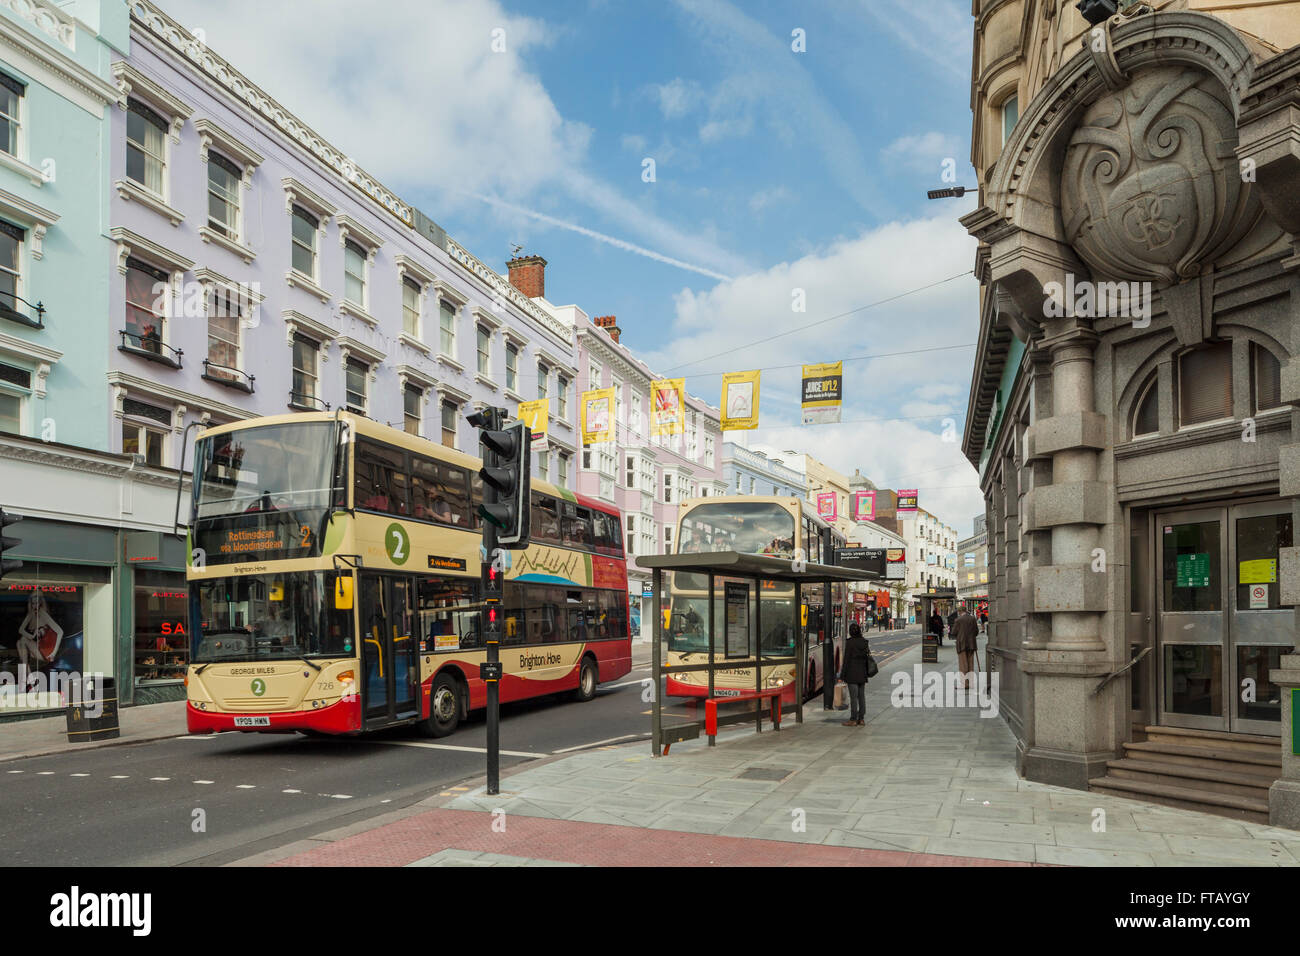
[(864, 506), (828, 506), (739, 400), (823, 393), (907, 501), (536, 415), (668, 406), (597, 416)]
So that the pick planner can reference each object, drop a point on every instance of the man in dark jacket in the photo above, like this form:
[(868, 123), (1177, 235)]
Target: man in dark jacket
[(952, 619), (936, 626), (854, 673), (965, 633)]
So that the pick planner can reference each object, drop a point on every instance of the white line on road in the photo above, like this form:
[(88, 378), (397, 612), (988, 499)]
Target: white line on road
[(120, 776), (597, 743), (342, 796), (291, 791), (202, 781), (160, 778), (78, 775), (245, 786), (45, 773), (471, 750), (17, 771)]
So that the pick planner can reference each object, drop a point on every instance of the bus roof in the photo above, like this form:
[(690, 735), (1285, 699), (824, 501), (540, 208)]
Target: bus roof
[(400, 439), (805, 507)]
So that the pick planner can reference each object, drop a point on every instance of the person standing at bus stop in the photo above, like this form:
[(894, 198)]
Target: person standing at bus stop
[(854, 673), (965, 634)]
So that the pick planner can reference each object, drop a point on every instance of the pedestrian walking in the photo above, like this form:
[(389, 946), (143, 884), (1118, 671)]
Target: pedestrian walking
[(854, 673), (952, 619), (984, 622), (965, 633)]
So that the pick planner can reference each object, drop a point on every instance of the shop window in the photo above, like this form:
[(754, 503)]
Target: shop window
[(1147, 419), (44, 621), (1205, 384), (1268, 379), (162, 640)]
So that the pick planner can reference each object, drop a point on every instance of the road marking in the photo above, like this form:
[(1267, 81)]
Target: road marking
[(611, 740), (160, 778), (471, 750), (460, 788), (78, 775), (341, 796), (203, 781), (45, 773), (386, 801), (291, 791), (17, 771), (245, 786), (120, 776)]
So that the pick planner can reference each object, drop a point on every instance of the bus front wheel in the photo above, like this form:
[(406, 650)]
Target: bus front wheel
[(588, 678), (444, 707)]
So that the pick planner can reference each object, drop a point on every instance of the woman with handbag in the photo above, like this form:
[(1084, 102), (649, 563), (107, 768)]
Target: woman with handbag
[(855, 671)]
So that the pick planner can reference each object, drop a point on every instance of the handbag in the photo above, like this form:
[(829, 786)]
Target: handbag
[(872, 668)]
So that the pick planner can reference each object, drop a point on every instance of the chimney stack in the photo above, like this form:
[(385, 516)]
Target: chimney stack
[(610, 324), (528, 275)]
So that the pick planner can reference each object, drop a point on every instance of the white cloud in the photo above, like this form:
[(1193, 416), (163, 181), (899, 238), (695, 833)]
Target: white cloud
[(634, 142), (768, 197), (926, 152), (936, 30), (677, 97)]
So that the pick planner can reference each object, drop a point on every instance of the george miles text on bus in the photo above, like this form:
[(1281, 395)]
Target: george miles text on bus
[(28, 689)]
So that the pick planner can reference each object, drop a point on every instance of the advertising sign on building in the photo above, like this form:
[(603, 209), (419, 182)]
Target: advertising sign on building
[(823, 393), (895, 564), (739, 400), (668, 406), (828, 505), (864, 506), (907, 501), (597, 416), (536, 415), (968, 559)]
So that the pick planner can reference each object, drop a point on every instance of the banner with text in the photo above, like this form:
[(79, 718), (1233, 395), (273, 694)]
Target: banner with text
[(740, 400), (864, 506), (536, 415), (823, 393), (597, 416), (907, 502), (668, 406), (828, 506)]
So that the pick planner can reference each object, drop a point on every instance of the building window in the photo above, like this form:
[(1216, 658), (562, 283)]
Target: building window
[(512, 367), (447, 331), (562, 386), (411, 308), (448, 423), (223, 336), (1205, 384), (354, 273), (146, 147), (144, 318), (544, 465), (668, 539), (354, 386), (631, 534), (708, 450), (412, 399), (15, 386), (586, 459), (1010, 114), (543, 374), (305, 227), (668, 487), (631, 472), (11, 96), (484, 350), (563, 477), (1268, 379), (739, 479), (751, 484), (144, 437), (1147, 419), (306, 353), (224, 178)]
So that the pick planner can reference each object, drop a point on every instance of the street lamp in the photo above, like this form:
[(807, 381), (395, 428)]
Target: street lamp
[(1095, 11), (950, 192)]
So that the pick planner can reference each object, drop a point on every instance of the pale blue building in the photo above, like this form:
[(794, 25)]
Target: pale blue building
[(749, 472)]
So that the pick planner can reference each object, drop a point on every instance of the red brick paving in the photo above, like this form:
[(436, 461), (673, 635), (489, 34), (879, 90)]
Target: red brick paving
[(593, 844)]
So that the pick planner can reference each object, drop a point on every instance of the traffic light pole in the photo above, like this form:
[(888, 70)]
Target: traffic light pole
[(492, 592)]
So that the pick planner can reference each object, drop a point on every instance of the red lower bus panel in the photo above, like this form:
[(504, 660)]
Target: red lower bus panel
[(343, 717), (678, 689)]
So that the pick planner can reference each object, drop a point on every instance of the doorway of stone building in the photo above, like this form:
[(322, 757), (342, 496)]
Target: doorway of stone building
[(1220, 623)]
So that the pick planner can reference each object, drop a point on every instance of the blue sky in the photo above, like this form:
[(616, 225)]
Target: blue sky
[(775, 171)]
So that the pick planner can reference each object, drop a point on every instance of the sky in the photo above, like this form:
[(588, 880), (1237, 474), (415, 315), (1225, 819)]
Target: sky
[(698, 168)]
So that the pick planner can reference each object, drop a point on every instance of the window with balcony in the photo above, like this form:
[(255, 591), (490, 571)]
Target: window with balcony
[(12, 303), (411, 308), (147, 289), (224, 352), (306, 365)]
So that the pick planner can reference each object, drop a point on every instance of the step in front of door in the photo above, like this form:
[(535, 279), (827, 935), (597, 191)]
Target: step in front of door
[(1228, 805)]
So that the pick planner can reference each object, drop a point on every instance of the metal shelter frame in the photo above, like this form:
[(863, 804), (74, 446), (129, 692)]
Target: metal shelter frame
[(754, 568)]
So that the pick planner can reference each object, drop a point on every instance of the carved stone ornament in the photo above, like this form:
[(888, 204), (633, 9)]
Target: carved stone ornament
[(1150, 187)]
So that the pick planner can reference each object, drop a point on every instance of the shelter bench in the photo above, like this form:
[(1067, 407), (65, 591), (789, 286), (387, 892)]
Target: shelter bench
[(711, 708)]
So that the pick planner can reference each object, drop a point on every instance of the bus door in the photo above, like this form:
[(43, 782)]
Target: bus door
[(389, 656)]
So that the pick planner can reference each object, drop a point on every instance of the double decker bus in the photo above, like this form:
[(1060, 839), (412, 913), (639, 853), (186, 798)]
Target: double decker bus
[(335, 583), (766, 525)]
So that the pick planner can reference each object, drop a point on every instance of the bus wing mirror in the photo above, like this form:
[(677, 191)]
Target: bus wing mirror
[(803, 614), (343, 594)]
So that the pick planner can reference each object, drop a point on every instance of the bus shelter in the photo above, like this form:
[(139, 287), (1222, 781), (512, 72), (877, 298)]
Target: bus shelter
[(942, 600), (735, 636)]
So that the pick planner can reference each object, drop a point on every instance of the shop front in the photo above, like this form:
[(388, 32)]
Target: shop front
[(159, 621)]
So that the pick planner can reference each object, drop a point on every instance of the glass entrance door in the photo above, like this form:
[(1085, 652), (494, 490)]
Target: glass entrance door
[(389, 657), (1221, 625)]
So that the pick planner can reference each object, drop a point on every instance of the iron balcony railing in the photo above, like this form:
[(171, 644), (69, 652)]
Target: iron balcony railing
[(227, 376), (305, 400), (150, 347), (11, 313)]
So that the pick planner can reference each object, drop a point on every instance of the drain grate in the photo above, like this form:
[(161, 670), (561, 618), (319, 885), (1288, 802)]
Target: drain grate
[(764, 773)]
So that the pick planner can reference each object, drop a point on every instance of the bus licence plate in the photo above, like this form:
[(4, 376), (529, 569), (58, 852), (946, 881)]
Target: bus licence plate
[(725, 692), (252, 721)]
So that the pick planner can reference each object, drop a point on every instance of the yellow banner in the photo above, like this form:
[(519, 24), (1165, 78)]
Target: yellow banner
[(668, 406), (536, 415), (740, 400), (597, 416)]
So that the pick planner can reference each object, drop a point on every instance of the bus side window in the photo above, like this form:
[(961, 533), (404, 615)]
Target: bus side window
[(546, 520), (380, 479)]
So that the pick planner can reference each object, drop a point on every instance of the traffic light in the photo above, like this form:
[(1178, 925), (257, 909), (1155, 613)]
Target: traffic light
[(7, 545), (506, 475)]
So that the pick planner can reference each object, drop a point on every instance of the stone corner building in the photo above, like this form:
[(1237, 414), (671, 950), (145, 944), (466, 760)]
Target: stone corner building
[(1133, 409)]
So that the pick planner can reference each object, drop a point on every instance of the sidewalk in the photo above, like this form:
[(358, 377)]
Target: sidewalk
[(915, 787), (49, 735)]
